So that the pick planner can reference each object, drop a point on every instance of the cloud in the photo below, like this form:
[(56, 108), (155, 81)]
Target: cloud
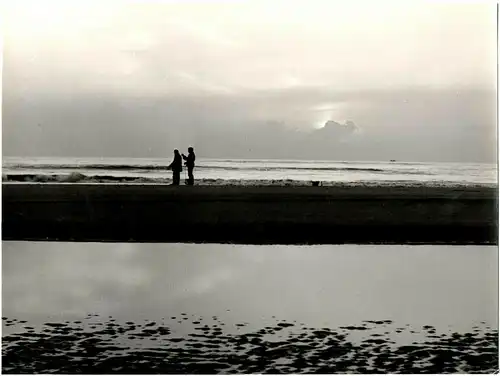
[(136, 79), (395, 124), (247, 46), (336, 131)]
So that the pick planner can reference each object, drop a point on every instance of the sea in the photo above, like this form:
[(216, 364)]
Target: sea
[(246, 171)]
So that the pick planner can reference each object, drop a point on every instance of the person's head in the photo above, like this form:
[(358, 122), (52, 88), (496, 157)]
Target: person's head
[(190, 149), (176, 151)]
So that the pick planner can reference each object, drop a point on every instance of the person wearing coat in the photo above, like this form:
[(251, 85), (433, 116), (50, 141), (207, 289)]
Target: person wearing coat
[(176, 167), (190, 158)]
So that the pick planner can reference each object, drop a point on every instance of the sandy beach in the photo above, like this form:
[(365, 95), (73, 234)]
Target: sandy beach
[(250, 215)]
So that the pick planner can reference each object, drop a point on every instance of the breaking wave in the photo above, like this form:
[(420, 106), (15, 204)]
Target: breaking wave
[(140, 170), (76, 177), (136, 167)]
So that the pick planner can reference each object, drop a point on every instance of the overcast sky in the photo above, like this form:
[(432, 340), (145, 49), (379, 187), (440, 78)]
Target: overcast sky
[(415, 80)]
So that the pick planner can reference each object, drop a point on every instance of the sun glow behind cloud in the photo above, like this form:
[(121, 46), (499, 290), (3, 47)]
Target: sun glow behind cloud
[(325, 112)]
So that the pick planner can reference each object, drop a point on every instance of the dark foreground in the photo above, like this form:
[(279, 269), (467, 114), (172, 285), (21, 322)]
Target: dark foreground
[(249, 215), (103, 345)]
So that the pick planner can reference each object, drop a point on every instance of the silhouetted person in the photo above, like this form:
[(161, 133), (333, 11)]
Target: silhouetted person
[(190, 165), (176, 167)]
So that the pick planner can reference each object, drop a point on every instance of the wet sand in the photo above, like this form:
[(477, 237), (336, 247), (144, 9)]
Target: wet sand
[(104, 308), (210, 349), (250, 215)]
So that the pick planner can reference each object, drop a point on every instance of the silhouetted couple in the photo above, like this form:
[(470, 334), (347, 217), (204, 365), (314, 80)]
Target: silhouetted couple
[(176, 166)]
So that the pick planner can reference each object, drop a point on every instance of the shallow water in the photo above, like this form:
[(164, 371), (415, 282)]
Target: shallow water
[(179, 308)]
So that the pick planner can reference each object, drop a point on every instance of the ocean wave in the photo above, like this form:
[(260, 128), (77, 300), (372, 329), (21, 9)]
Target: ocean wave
[(92, 166), (76, 177), (145, 168), (294, 168)]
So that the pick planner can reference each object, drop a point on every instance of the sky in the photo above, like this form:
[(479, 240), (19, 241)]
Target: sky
[(305, 79)]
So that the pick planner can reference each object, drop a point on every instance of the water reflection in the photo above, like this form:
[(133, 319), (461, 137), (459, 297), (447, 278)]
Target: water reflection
[(177, 308)]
